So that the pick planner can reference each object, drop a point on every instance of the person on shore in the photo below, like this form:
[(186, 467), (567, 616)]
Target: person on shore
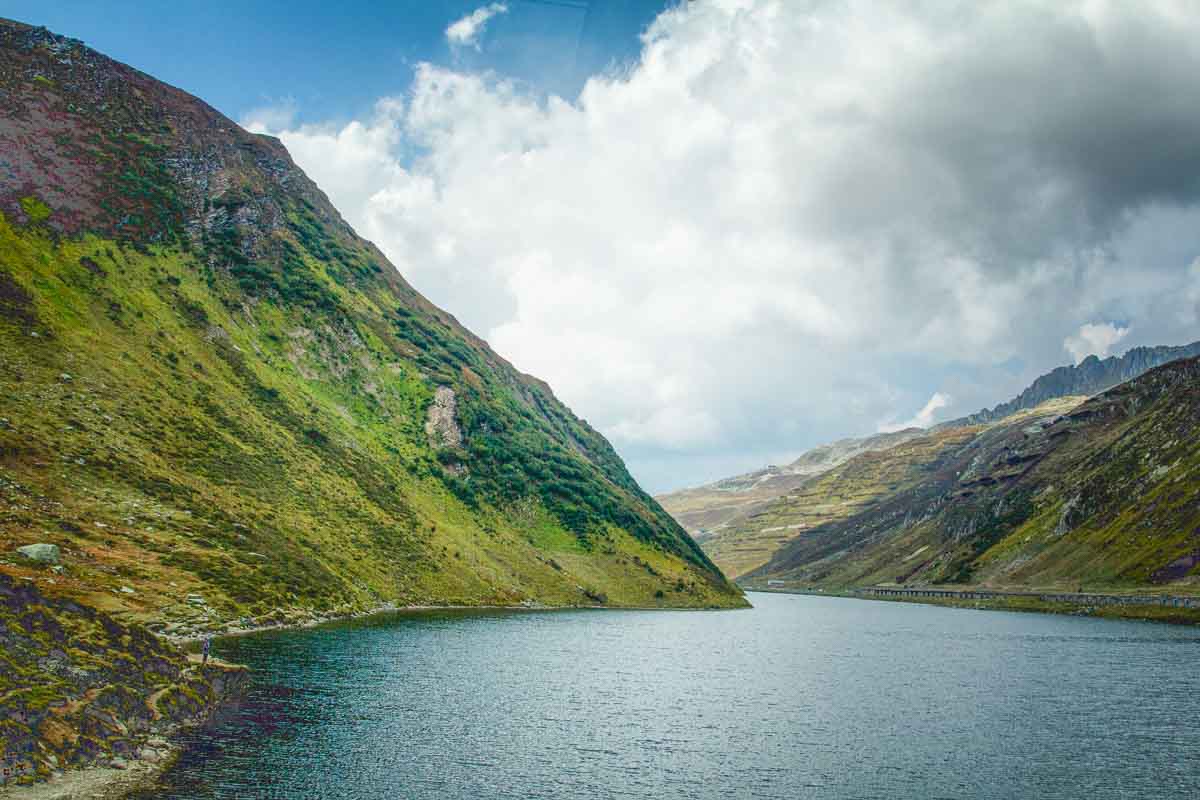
[(205, 649)]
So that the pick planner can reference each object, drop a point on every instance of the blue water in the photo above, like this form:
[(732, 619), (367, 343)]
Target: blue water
[(799, 697)]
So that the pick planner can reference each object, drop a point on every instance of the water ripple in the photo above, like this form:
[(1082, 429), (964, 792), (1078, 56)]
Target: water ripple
[(801, 697)]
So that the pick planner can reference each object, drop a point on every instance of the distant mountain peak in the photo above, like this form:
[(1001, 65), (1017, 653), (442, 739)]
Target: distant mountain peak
[(741, 521), (1090, 376)]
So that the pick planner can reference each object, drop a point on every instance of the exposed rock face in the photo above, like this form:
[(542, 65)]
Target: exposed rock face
[(189, 170), (441, 424)]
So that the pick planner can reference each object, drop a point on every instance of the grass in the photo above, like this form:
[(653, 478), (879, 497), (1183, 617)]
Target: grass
[(838, 494), (35, 209), (1103, 496), (175, 439)]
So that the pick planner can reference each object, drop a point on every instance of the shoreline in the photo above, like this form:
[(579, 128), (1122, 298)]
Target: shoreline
[(387, 608), (138, 773), (96, 782), (1103, 605)]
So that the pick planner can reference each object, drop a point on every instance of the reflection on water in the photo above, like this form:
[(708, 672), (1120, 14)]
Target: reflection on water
[(800, 697)]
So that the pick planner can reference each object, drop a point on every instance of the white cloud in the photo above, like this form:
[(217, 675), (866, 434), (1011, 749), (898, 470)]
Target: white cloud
[(278, 115), (789, 220), (466, 31), (1094, 338), (923, 418)]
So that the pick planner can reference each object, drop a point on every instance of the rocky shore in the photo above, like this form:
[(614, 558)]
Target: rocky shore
[(92, 708), (89, 707), (93, 783)]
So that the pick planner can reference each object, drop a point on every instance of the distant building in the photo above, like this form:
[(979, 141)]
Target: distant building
[(774, 583)]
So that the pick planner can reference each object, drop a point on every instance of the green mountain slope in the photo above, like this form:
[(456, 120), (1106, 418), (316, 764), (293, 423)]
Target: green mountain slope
[(742, 522), (709, 512), (221, 403), (857, 483), (1105, 496)]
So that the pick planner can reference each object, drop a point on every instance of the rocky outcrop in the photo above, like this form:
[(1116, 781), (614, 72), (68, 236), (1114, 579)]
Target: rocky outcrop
[(441, 423), (77, 688)]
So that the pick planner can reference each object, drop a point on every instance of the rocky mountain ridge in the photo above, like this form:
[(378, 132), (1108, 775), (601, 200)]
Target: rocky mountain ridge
[(1104, 495), (1091, 376), (742, 521)]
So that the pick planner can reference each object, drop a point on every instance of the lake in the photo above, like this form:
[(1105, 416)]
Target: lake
[(799, 697)]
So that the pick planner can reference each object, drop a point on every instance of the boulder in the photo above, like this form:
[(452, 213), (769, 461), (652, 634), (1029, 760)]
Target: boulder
[(41, 552)]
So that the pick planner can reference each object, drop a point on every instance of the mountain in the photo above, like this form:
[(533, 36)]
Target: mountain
[(710, 512), (1088, 377), (223, 409), (741, 522), (1104, 495), (213, 387)]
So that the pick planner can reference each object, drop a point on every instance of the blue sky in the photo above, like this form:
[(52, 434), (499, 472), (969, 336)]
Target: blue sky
[(333, 60)]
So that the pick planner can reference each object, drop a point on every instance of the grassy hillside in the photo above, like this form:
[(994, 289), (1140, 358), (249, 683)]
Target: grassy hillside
[(722, 516), (1103, 497), (221, 403), (741, 522), (835, 494)]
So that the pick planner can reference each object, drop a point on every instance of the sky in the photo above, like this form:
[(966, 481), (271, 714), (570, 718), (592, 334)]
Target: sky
[(729, 230), (333, 61)]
